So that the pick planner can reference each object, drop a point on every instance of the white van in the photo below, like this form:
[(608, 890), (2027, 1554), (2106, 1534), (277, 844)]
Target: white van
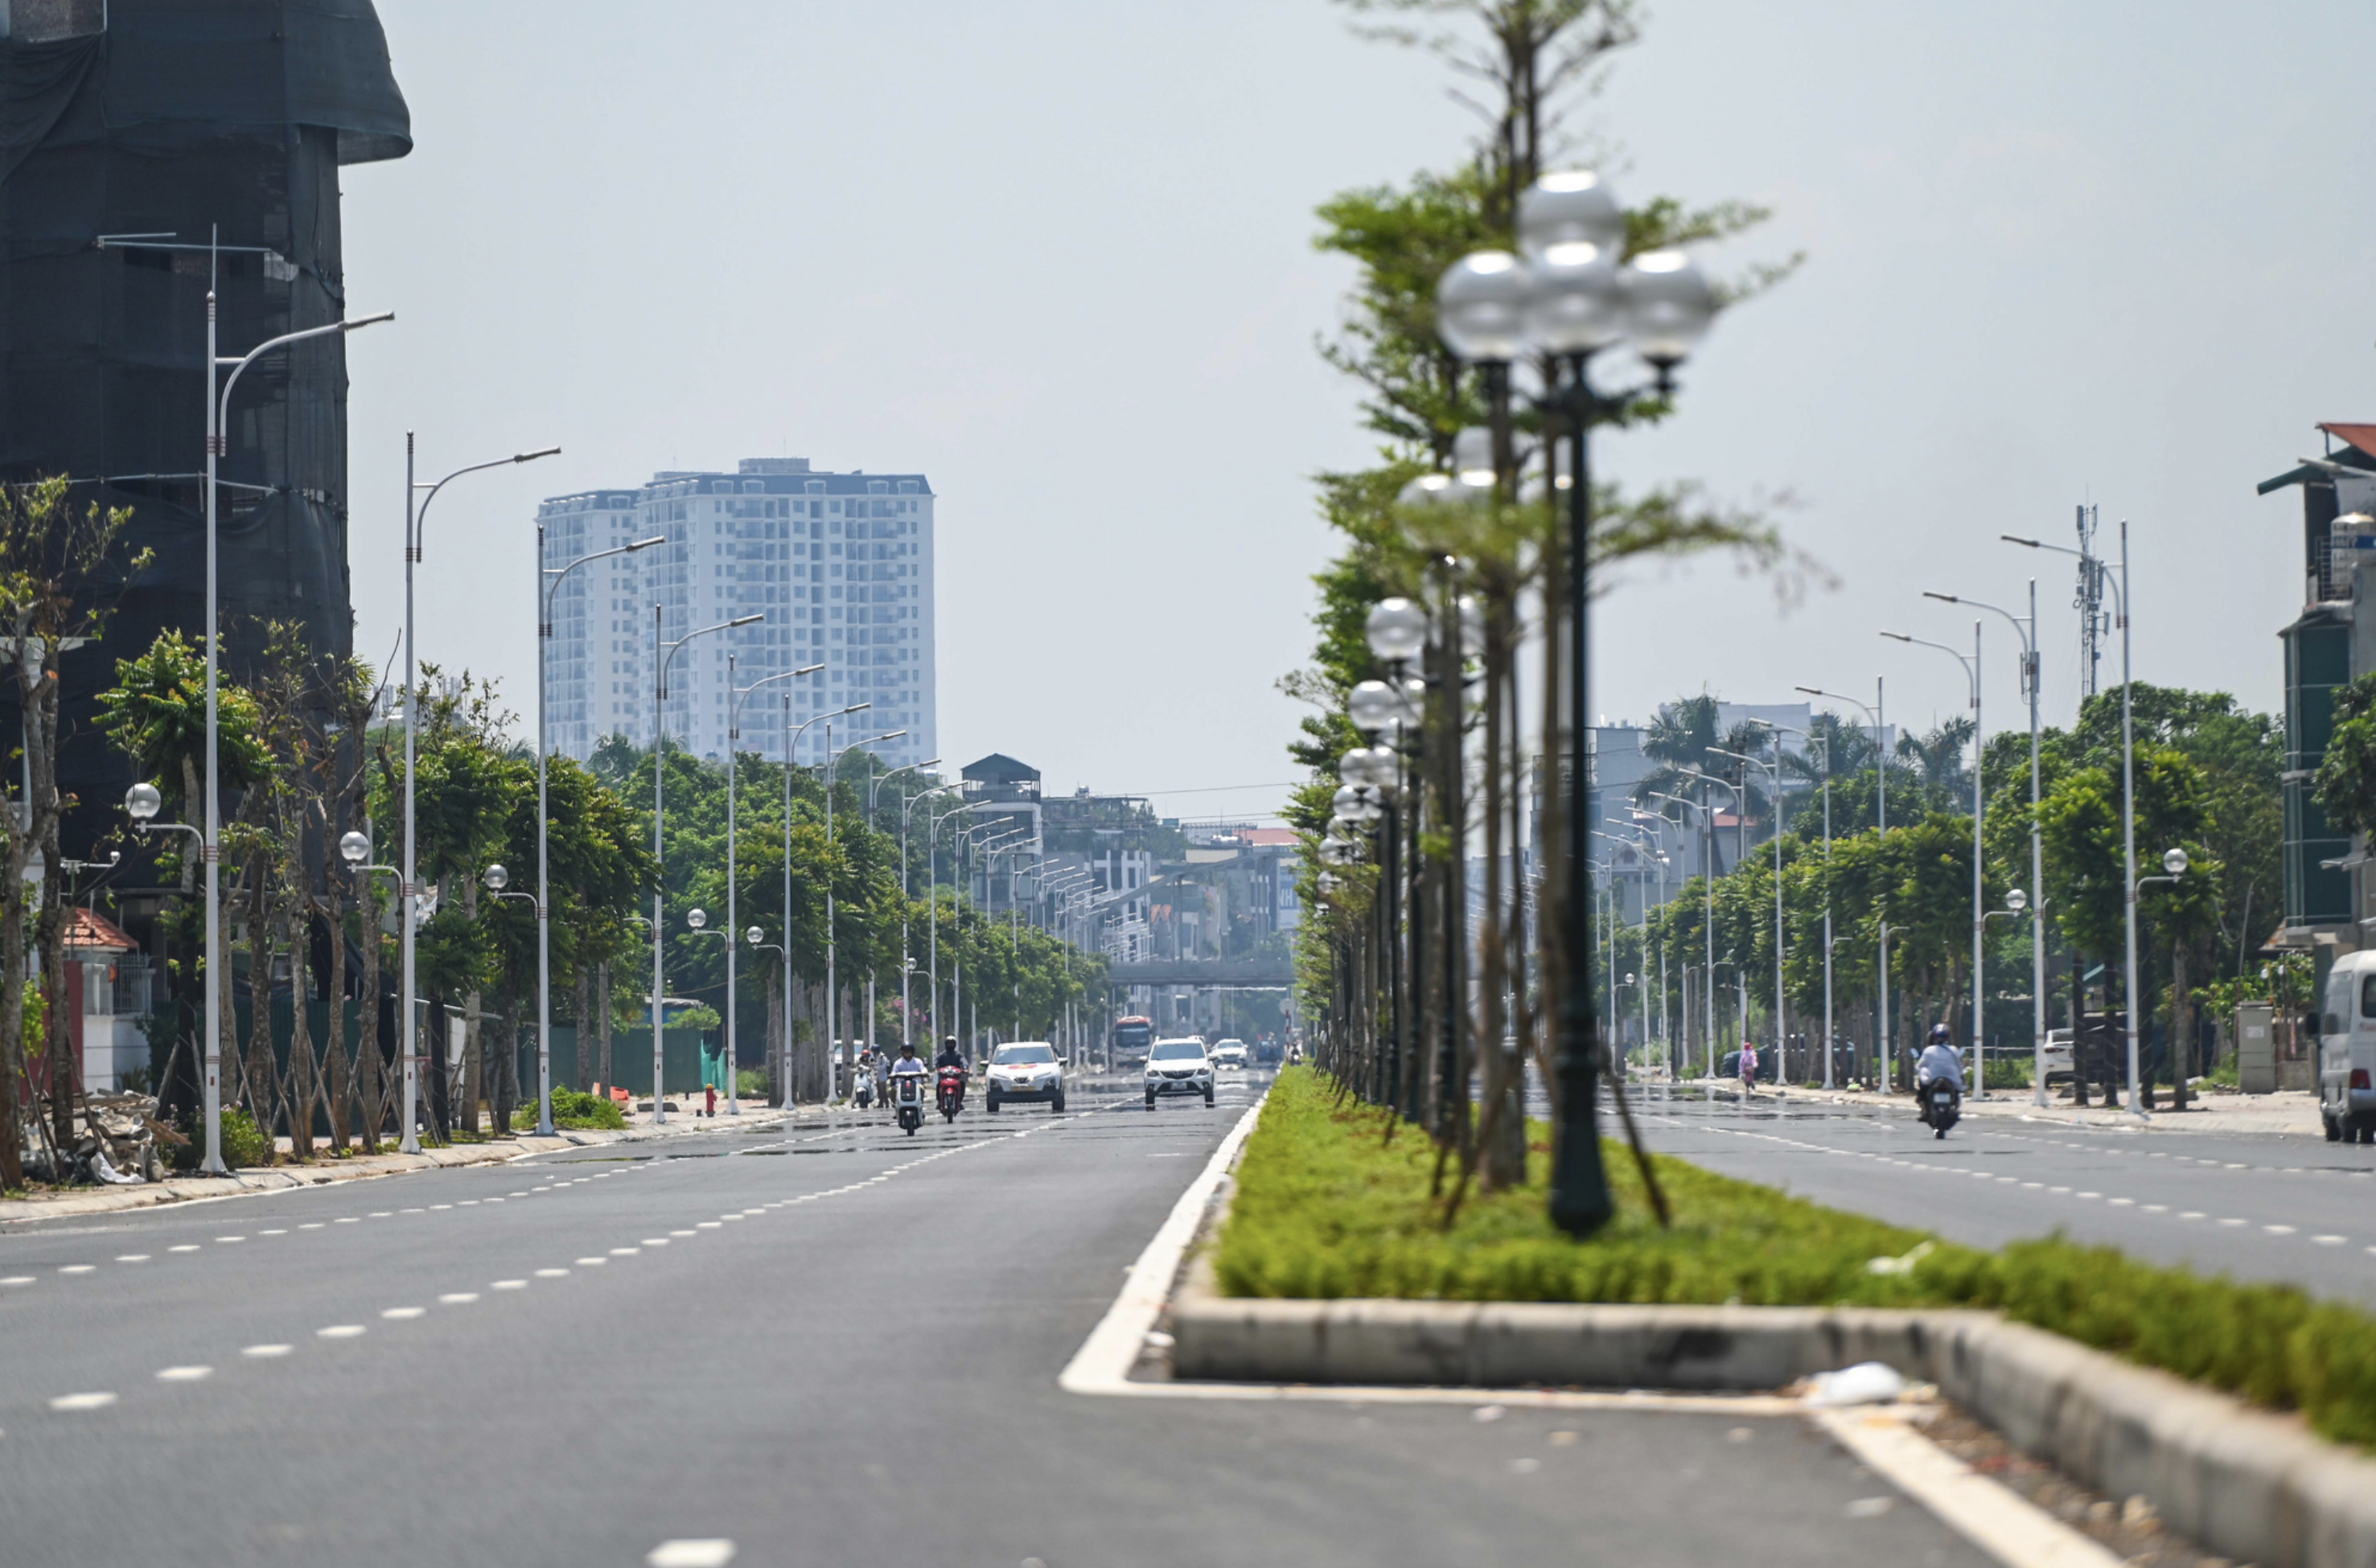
[(2346, 1051)]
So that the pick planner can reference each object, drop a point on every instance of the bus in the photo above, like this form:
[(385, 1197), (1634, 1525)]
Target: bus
[(1131, 1038)]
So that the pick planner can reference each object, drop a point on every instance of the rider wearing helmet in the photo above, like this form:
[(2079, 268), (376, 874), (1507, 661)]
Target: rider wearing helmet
[(1939, 1060), (948, 1056)]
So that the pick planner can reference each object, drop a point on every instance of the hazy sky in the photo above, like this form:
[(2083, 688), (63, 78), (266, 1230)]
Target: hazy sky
[(1056, 255)]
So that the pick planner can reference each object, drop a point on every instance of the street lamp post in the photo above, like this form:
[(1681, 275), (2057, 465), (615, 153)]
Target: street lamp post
[(1566, 300), (832, 949), (906, 954), (663, 656), (211, 838), (2128, 792), (1773, 777), (734, 734), (1979, 905), (905, 1032), (2027, 631), (547, 591), (1872, 711), (416, 533)]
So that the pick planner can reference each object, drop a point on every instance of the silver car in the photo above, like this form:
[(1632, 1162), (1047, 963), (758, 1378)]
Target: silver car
[(1177, 1067)]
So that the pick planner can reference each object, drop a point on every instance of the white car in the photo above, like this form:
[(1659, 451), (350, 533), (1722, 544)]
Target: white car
[(1231, 1053), (1028, 1069), (2059, 1056), (1177, 1067)]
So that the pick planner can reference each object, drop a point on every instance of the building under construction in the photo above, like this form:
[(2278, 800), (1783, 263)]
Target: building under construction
[(133, 133)]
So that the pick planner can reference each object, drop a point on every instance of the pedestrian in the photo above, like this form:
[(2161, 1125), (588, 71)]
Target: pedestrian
[(1748, 1069)]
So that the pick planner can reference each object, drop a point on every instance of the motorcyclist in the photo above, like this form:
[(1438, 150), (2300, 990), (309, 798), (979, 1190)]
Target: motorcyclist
[(909, 1065), (948, 1056), (1939, 1060)]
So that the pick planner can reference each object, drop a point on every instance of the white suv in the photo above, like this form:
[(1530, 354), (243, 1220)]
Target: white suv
[(1027, 1069), (1177, 1067), (1231, 1053)]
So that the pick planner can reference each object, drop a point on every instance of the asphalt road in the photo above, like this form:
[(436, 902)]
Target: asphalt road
[(827, 1346), (2258, 1207)]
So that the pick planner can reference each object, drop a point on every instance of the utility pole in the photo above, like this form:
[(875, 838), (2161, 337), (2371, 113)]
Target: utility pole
[(2089, 602)]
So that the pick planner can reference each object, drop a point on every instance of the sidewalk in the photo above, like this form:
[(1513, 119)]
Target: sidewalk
[(2293, 1113), (85, 1202)]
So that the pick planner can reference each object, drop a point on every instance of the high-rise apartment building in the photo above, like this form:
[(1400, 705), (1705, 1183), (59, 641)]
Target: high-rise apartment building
[(840, 565)]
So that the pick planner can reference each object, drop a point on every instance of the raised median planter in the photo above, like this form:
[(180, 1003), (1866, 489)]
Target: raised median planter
[(2245, 1482)]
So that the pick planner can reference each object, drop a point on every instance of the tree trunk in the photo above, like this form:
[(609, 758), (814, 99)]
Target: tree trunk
[(12, 1003), (342, 1082), (474, 1085), (776, 1066), (602, 1019), (263, 1078), (581, 1000), (2182, 1026), (506, 1069), (300, 1039), (370, 1076)]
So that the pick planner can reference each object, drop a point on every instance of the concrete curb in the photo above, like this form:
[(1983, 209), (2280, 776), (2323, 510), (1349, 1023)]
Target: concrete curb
[(2244, 1482), (86, 1203)]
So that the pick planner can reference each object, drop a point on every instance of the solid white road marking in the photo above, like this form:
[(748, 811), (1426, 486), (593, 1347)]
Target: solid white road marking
[(1992, 1517)]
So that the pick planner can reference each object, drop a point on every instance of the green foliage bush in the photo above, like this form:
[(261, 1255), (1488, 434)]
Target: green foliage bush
[(244, 1144), (580, 1111), (1327, 1207)]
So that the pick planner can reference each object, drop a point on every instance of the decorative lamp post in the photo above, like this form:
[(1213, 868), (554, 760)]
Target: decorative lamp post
[(1569, 300)]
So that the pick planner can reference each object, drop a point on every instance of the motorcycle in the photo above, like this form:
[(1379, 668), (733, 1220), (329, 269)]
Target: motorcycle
[(908, 1094), (952, 1092), (1941, 1106)]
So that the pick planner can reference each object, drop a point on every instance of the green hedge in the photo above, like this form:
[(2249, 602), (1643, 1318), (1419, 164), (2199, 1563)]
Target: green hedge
[(1328, 1206)]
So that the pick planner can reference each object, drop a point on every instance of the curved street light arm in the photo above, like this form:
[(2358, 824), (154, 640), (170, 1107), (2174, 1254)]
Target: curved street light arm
[(421, 513)]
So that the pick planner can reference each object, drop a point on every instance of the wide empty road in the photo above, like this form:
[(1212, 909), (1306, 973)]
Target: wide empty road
[(822, 1346), (2258, 1207)]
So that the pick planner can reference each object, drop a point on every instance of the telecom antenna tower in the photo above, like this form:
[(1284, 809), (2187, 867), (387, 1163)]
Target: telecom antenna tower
[(2093, 622)]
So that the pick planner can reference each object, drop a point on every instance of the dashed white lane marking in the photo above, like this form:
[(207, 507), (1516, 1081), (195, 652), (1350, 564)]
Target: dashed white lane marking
[(311, 1225), (399, 1313), (2235, 1222), (348, 1219), (591, 1263), (553, 1273), (511, 1285), (185, 1374), (2278, 1229), (690, 1553), (624, 1251), (132, 1257), (2120, 1203), (184, 1247), (2156, 1208), (457, 1298), (272, 1232), (2191, 1214), (94, 1401), (682, 1232), (231, 1238), (78, 1268), (18, 1280), (340, 1331), (706, 1224), (2330, 1240), (264, 1352), (379, 1213), (656, 1240)]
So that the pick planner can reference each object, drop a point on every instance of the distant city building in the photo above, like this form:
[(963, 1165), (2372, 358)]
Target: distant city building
[(839, 565)]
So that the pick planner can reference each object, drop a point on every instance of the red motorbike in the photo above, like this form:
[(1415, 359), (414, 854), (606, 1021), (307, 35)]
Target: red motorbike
[(952, 1092)]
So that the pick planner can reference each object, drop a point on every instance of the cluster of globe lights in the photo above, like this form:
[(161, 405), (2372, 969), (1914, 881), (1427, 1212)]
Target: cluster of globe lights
[(1566, 292)]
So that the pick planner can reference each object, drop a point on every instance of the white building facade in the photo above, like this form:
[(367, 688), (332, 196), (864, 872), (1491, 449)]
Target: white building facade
[(839, 565)]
